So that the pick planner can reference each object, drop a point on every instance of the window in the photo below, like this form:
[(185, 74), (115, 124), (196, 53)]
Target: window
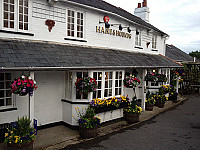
[(118, 83), (78, 94), (68, 83), (5, 91), (154, 41), (109, 83), (75, 24), (138, 38), (15, 14)]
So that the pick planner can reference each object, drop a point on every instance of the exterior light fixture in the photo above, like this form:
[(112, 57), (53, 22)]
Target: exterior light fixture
[(52, 2), (137, 32)]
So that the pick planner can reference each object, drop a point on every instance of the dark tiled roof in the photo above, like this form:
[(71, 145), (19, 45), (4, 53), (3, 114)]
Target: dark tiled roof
[(176, 54), (100, 4), (15, 53)]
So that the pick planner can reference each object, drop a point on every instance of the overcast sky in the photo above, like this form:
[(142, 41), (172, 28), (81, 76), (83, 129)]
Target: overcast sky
[(178, 18)]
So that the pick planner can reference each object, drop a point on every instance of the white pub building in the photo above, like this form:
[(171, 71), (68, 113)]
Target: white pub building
[(58, 41)]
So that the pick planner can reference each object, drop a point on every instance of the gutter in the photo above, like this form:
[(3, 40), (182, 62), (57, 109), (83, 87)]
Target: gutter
[(81, 68), (104, 11)]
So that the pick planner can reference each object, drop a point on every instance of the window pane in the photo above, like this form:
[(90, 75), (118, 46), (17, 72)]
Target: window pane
[(25, 18), (5, 15), (99, 94), (110, 93), (21, 17), (106, 93), (20, 9), (1, 85), (12, 1), (85, 74), (117, 76), (99, 84), (11, 8), (79, 75), (12, 16), (26, 3), (1, 94), (11, 24), (26, 11), (120, 75), (94, 94), (5, 24), (78, 15), (1, 76), (1, 102), (21, 2), (78, 95), (5, 7), (21, 25), (85, 96), (116, 83), (120, 91), (116, 91), (106, 84), (110, 75), (8, 93), (8, 84), (95, 75), (120, 83), (99, 75), (8, 101), (110, 84)]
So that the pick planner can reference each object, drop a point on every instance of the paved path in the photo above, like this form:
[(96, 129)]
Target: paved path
[(177, 129)]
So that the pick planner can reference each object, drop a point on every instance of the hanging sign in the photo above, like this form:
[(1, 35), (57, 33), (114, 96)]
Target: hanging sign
[(106, 19)]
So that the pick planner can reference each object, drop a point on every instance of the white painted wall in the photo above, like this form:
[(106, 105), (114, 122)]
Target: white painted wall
[(40, 11)]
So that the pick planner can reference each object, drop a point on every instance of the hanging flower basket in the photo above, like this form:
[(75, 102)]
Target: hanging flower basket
[(23, 86), (150, 77), (131, 81), (86, 85), (161, 77)]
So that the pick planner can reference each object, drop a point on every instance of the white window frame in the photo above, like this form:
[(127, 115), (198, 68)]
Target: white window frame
[(138, 38), (113, 83), (75, 24), (154, 41), (68, 84), (7, 89), (16, 17)]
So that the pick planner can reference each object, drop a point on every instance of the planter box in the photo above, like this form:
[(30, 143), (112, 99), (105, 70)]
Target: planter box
[(132, 118), (87, 133), (25, 146), (149, 107), (110, 115)]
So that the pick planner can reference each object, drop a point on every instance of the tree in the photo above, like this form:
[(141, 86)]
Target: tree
[(195, 54)]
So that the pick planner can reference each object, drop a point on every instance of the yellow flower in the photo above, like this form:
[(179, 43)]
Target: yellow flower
[(6, 134), (83, 107), (11, 132)]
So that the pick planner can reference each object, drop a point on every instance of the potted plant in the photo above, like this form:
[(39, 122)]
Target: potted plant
[(160, 100), (21, 135), (86, 85), (173, 95), (131, 81), (150, 77), (150, 101), (132, 113), (88, 123), (23, 85), (161, 77)]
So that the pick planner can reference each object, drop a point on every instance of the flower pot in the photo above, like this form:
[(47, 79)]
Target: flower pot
[(132, 118), (86, 133), (149, 107), (173, 98), (24, 146), (160, 104)]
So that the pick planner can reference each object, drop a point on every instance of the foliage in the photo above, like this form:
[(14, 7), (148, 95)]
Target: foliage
[(165, 89), (195, 54), (150, 77), (156, 77), (86, 85), (131, 81), (23, 85), (87, 119), (133, 109), (20, 132), (113, 101), (150, 98)]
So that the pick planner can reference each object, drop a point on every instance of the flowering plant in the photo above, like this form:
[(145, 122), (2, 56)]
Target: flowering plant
[(161, 77), (131, 81), (165, 89), (23, 86), (20, 132), (87, 119), (133, 109), (150, 98), (161, 98), (86, 85), (150, 77), (109, 104)]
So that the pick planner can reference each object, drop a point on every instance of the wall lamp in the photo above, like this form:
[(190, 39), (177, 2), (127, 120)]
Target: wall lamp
[(137, 32), (107, 25), (52, 2), (128, 28)]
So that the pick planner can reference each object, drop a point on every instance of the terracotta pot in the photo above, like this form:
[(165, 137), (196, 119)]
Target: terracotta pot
[(132, 118), (159, 104), (24, 146), (149, 107), (86, 133)]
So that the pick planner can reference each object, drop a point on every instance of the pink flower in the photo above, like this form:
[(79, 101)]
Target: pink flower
[(19, 83)]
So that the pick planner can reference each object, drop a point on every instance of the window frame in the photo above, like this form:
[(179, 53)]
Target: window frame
[(138, 38), (154, 41), (16, 17), (7, 89), (113, 83), (75, 24)]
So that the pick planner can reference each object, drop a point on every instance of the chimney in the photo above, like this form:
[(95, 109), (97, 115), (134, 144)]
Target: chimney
[(142, 12)]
